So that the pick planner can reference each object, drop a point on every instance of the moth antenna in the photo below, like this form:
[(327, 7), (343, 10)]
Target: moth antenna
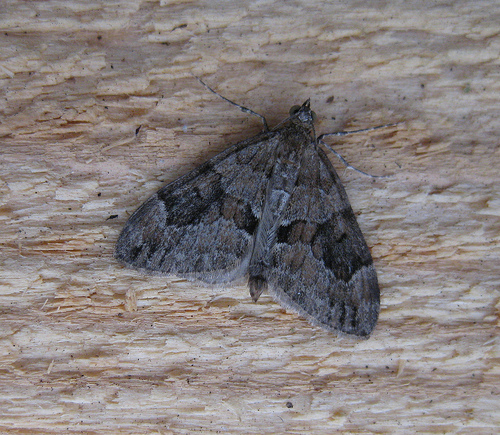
[(345, 133), (242, 108)]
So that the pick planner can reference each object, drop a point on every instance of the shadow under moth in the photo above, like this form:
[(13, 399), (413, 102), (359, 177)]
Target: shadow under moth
[(270, 208)]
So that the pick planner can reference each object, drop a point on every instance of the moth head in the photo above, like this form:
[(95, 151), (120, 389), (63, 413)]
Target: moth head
[(303, 113)]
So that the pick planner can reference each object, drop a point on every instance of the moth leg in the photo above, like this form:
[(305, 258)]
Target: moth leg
[(345, 133)]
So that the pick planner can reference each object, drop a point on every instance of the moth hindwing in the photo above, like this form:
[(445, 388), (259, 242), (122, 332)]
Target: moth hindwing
[(271, 208)]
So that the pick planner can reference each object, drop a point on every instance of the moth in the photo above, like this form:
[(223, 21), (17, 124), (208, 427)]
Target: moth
[(272, 209)]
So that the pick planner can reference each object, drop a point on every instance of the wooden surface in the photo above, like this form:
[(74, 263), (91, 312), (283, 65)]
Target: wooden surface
[(90, 347)]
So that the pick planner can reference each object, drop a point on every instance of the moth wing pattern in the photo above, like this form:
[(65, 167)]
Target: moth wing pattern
[(272, 208), (202, 224), (321, 266)]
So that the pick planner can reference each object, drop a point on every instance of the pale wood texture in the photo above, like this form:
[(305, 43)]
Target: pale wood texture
[(90, 347)]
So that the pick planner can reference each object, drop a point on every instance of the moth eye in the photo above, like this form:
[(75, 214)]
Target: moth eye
[(293, 110)]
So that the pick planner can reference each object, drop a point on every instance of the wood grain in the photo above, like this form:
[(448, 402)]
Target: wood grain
[(99, 109)]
